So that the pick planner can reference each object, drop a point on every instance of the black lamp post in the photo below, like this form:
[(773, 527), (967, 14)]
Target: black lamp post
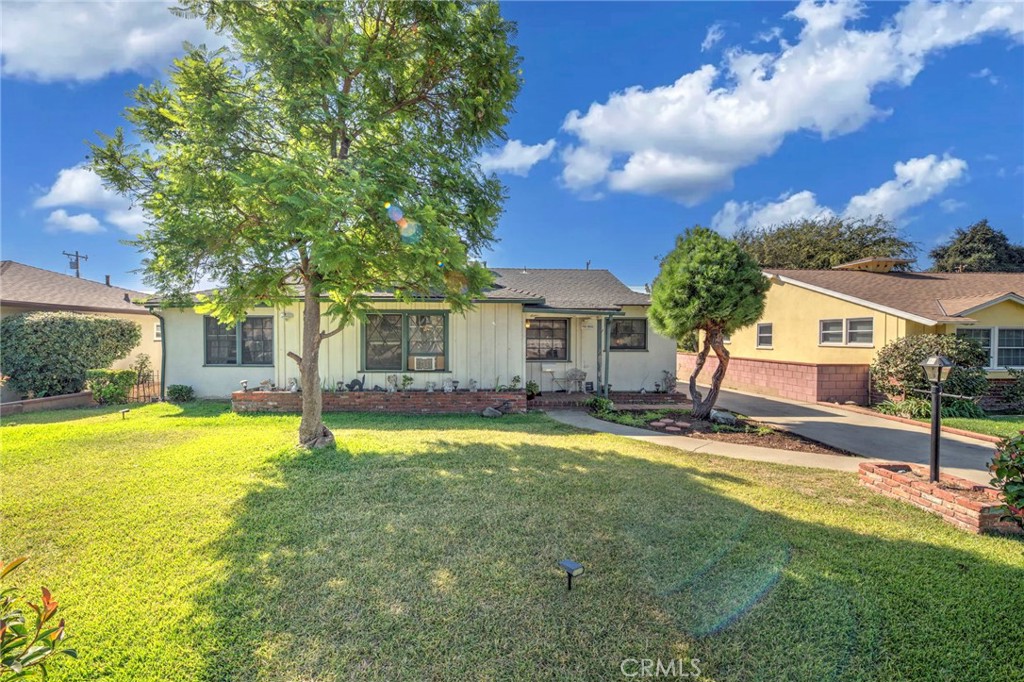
[(936, 369)]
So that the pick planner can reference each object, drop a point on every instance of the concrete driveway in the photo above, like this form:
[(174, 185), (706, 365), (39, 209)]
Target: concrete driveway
[(865, 435)]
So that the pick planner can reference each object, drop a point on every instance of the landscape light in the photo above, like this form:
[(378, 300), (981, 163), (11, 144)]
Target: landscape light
[(936, 369), (572, 570), (124, 413), (245, 385)]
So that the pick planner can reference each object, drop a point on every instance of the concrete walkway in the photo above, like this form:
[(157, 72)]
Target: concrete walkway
[(710, 447), (871, 437)]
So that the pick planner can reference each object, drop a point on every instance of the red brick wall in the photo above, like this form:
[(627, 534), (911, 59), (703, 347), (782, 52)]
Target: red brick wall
[(409, 402), (793, 380), (54, 402), (963, 512), (576, 400)]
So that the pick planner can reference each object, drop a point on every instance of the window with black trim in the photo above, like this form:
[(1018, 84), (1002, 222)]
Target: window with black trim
[(629, 334), (764, 335), (414, 342), (547, 339), (248, 343)]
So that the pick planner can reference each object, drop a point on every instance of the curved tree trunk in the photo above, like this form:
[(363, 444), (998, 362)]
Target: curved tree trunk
[(702, 405), (312, 431)]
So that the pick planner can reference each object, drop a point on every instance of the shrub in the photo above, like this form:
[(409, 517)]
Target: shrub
[(600, 405), (111, 386), (1014, 393), (49, 353), (28, 641), (1007, 467), (532, 389), (180, 393), (143, 367), (897, 371), (921, 408)]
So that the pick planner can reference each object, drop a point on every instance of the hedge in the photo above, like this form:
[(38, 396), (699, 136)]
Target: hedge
[(897, 370), (111, 386), (47, 354)]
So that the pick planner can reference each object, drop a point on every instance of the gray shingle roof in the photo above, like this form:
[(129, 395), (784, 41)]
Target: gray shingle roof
[(31, 287), (570, 289)]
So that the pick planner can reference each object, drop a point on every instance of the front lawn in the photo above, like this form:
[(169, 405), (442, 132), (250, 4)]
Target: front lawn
[(191, 543), (1004, 426)]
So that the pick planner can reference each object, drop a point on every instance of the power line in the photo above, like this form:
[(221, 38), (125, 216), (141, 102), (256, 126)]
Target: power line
[(74, 261)]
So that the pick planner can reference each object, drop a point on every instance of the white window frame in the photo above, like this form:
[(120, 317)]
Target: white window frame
[(994, 357), (771, 336), (157, 336), (858, 344), (821, 332), (993, 349)]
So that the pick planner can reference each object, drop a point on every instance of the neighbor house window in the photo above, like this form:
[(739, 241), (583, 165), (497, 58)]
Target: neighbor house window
[(248, 343), (629, 334), (415, 342), (981, 336), (1010, 348), (157, 332), (764, 335), (860, 331), (830, 332), (547, 339)]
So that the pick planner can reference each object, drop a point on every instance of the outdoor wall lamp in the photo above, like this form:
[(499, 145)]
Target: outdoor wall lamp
[(527, 323), (936, 369), (572, 570)]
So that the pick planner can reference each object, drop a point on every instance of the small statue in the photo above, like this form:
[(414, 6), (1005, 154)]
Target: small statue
[(392, 381), (472, 385), (430, 386), (378, 388), (448, 386), (266, 385), (245, 385), (356, 384), (293, 385), (340, 387)]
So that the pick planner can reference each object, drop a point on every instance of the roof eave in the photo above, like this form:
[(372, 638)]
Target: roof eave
[(903, 314)]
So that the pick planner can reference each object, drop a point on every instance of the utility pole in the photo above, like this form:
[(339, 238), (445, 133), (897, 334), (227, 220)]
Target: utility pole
[(74, 261)]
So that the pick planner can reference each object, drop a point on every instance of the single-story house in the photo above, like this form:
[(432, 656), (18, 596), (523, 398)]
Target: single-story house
[(24, 288), (534, 324), (821, 329)]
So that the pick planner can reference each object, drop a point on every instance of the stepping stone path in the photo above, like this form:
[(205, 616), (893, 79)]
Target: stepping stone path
[(672, 428), (658, 424)]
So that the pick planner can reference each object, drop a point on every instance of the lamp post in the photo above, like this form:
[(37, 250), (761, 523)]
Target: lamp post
[(936, 369)]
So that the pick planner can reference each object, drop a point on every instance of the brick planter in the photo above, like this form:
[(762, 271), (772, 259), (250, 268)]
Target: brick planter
[(570, 401), (407, 402), (963, 512), (53, 402)]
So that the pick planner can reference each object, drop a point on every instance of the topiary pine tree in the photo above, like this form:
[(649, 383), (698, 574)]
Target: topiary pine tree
[(269, 167), (707, 285)]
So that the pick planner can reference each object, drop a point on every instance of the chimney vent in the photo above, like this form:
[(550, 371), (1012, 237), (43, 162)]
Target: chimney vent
[(107, 277)]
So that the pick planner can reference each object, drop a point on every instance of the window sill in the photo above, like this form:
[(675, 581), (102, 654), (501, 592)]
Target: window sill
[(404, 371), (628, 350), (548, 360), (860, 345), (236, 366), (765, 348)]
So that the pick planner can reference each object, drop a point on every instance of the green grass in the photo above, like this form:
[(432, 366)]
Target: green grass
[(191, 543), (1003, 426)]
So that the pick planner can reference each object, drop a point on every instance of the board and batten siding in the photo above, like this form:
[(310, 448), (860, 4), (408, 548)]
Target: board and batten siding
[(486, 344)]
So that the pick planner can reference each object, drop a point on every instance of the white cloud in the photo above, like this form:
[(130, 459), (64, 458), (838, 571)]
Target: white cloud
[(52, 41), (686, 139), (916, 181), (80, 187), (768, 36), (987, 74), (516, 158), (714, 35), (951, 205), (83, 223)]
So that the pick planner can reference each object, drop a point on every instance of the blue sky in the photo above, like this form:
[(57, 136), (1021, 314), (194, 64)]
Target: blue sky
[(636, 120)]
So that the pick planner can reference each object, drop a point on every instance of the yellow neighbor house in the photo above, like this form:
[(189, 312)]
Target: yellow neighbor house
[(821, 329)]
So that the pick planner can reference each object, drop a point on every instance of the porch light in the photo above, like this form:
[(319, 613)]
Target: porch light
[(572, 570), (527, 323), (936, 369)]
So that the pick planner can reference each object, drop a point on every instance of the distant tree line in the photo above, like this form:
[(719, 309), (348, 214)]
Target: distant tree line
[(823, 243)]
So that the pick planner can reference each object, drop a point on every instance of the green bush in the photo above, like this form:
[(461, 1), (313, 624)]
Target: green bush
[(28, 638), (180, 393), (1014, 393), (599, 405), (1007, 467), (897, 372), (921, 408), (48, 353), (111, 386)]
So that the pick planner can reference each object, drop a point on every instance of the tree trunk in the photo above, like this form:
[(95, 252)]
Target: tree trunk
[(312, 431), (702, 405)]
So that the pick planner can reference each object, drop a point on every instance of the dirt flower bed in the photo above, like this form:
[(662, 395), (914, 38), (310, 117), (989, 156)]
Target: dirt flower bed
[(745, 432)]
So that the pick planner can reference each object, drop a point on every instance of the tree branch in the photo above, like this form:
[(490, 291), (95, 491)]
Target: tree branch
[(296, 358)]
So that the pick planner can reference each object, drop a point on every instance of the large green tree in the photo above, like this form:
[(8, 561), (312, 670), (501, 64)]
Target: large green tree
[(978, 248), (267, 167), (823, 243), (708, 285)]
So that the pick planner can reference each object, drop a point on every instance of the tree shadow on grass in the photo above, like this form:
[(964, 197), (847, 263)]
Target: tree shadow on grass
[(440, 564)]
